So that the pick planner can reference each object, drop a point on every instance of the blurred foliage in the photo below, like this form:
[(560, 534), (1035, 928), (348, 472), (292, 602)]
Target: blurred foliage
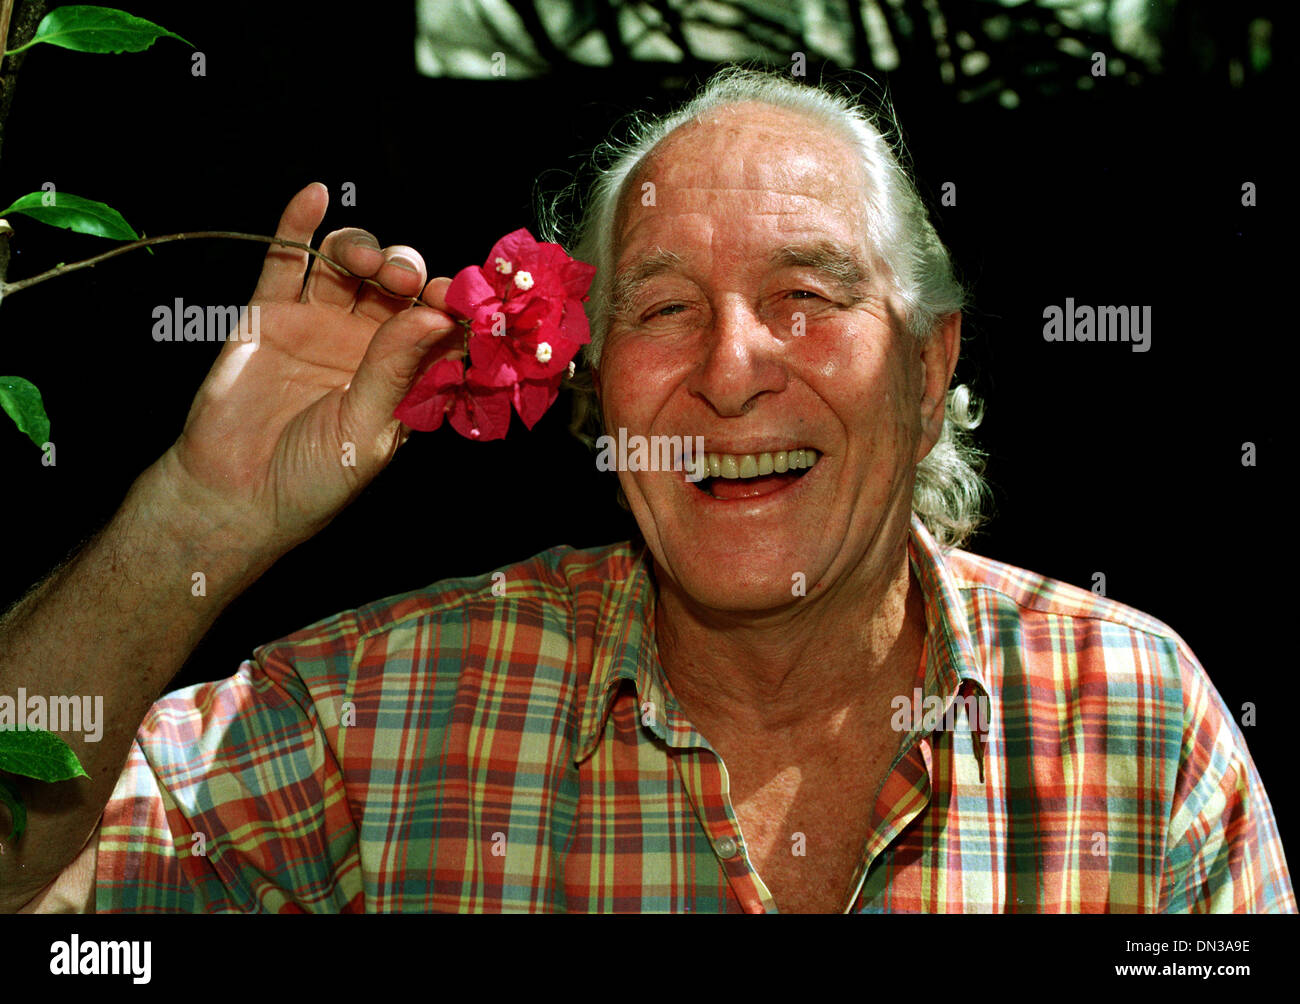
[(978, 50)]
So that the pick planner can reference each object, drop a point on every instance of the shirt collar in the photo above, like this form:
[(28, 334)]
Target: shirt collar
[(625, 647), (952, 668), (950, 659)]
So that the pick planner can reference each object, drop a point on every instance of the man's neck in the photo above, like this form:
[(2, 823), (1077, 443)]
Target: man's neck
[(808, 672)]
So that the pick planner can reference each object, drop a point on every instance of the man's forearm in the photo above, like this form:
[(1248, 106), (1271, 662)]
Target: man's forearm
[(117, 621)]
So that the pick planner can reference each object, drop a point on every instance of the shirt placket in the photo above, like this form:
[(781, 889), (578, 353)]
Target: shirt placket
[(708, 787), (706, 782)]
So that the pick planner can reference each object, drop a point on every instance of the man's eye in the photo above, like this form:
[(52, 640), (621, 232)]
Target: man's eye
[(804, 294), (668, 311)]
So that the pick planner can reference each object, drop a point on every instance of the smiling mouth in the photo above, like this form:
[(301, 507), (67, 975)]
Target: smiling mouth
[(748, 475)]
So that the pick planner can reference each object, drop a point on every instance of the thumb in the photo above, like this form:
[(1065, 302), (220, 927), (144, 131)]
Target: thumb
[(389, 368)]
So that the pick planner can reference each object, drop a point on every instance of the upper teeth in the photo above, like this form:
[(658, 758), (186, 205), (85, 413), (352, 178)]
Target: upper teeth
[(751, 465)]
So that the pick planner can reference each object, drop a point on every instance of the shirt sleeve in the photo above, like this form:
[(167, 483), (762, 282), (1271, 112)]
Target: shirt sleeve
[(232, 800), (1224, 853)]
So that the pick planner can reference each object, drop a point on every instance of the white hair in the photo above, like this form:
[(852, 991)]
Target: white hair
[(949, 491)]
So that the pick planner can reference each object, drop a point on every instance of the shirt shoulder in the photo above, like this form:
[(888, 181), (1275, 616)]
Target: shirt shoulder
[(1050, 637), (1109, 683), (278, 788), (522, 639), (545, 602), (1037, 594)]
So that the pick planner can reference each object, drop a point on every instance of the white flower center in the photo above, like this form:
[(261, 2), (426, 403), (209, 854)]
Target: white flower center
[(503, 266), (524, 280), (543, 352)]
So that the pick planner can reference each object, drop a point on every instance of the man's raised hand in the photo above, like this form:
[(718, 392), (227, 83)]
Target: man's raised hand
[(259, 467), (285, 431)]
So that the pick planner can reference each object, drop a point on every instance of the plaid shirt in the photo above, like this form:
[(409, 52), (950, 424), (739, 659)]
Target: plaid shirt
[(510, 742)]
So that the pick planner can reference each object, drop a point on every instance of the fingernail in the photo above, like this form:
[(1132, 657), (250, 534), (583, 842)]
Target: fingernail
[(366, 241), (402, 262)]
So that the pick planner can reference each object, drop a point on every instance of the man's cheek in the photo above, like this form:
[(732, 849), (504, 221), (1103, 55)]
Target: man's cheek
[(886, 462), (833, 350)]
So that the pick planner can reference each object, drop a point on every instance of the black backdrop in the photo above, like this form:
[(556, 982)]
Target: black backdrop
[(1102, 459)]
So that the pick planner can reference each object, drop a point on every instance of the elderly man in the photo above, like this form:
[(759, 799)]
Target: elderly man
[(795, 695)]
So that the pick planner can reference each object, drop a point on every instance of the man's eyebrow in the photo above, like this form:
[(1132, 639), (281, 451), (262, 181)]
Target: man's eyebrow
[(836, 260), (628, 282)]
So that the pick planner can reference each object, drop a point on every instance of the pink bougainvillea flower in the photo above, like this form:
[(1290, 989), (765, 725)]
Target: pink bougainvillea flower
[(479, 411), (444, 389), (427, 401), (533, 397), (524, 306), (523, 311)]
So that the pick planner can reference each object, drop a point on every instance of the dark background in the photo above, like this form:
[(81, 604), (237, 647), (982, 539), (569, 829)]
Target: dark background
[(1102, 459)]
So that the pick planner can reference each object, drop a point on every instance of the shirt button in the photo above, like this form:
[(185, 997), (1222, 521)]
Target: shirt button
[(726, 848)]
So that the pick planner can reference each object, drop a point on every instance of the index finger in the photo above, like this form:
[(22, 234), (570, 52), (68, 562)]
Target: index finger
[(284, 267)]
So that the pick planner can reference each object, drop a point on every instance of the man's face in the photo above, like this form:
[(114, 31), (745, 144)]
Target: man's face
[(754, 315)]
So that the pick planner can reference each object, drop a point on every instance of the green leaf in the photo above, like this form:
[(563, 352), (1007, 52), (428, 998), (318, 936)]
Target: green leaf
[(10, 798), (72, 212), (98, 29), (21, 401), (39, 754)]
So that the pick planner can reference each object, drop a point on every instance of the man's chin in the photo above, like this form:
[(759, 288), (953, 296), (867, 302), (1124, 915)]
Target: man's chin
[(760, 567), (731, 587)]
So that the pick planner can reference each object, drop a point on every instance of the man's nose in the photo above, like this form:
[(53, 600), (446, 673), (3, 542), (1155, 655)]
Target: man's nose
[(742, 360)]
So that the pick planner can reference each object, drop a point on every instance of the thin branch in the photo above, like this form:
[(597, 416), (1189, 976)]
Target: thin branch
[(862, 57), (6, 10), (21, 19), (672, 20), (526, 11), (607, 18), (9, 288)]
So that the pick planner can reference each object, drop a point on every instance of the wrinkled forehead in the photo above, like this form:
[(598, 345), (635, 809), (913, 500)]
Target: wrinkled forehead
[(748, 158)]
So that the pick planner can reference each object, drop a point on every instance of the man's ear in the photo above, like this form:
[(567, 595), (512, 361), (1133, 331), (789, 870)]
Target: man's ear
[(938, 362)]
